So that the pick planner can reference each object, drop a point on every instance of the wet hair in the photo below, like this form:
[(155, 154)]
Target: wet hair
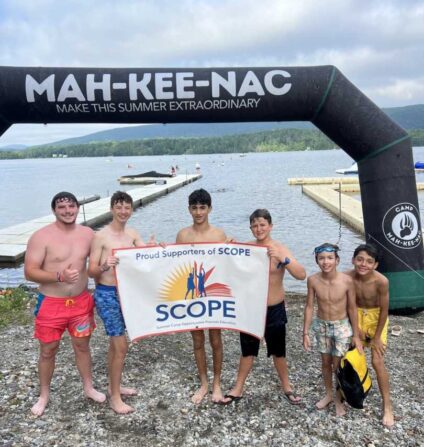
[(201, 197), (326, 246), (369, 249), (120, 197), (261, 212), (63, 196)]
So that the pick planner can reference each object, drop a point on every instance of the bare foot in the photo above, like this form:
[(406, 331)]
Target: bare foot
[(199, 395), (388, 418), (91, 393), (125, 391), (340, 409), (324, 403), (120, 407), (40, 406), (128, 391)]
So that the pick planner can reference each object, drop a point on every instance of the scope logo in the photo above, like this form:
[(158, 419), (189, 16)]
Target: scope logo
[(188, 282), (191, 283)]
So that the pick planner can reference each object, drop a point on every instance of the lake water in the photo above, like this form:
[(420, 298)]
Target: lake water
[(238, 185)]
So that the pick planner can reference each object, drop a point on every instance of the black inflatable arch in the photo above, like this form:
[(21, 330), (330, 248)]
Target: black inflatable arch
[(320, 94)]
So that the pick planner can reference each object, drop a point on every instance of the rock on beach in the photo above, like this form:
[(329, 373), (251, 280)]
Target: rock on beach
[(162, 368)]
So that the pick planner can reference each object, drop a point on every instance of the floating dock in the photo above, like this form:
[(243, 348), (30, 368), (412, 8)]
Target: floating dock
[(13, 240), (329, 192)]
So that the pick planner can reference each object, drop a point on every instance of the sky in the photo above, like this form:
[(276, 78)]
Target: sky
[(378, 45)]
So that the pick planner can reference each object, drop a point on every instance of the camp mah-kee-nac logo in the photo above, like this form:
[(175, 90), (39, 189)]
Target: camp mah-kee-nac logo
[(401, 226)]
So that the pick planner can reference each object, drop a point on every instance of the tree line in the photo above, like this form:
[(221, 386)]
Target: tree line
[(268, 141)]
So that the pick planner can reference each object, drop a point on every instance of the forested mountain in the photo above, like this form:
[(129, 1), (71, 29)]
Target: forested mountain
[(208, 138), (270, 141), (409, 117)]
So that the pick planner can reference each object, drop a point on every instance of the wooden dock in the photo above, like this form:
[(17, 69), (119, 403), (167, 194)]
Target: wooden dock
[(329, 192), (329, 198), (13, 240)]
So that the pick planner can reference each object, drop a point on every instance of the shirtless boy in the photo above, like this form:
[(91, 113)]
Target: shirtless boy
[(372, 299), (56, 258), (275, 330), (199, 206), (336, 319), (101, 268)]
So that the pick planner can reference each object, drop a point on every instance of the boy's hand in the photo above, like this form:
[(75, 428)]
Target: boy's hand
[(276, 252), (378, 346), (306, 342), (152, 240), (361, 335), (358, 344), (111, 261), (70, 275)]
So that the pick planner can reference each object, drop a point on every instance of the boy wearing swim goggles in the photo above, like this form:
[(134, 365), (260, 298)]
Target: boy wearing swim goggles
[(336, 319)]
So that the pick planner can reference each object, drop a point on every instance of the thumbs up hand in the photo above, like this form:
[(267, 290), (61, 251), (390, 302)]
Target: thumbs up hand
[(70, 275)]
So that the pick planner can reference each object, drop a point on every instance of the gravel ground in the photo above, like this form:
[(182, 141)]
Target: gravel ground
[(163, 370)]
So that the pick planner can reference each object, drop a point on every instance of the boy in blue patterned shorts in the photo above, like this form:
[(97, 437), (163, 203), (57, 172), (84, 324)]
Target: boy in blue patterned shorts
[(336, 319), (101, 268)]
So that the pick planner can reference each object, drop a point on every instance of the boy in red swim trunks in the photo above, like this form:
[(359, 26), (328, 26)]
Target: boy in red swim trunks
[(56, 259)]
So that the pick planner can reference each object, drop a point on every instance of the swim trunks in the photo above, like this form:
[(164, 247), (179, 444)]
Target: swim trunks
[(55, 314), (367, 323), (332, 337), (275, 334), (109, 309)]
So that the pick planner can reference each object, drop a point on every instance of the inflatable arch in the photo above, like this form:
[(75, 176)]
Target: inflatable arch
[(320, 94)]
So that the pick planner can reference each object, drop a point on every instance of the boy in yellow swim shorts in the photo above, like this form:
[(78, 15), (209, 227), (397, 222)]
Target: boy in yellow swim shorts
[(372, 299)]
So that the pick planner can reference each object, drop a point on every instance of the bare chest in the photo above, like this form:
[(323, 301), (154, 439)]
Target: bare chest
[(366, 294), (70, 249), (331, 294), (118, 241)]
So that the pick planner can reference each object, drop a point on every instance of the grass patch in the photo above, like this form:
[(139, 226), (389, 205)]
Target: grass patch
[(15, 306)]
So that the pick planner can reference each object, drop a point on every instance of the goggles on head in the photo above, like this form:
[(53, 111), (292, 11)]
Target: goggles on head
[(326, 248)]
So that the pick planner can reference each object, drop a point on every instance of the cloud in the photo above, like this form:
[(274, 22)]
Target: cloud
[(406, 90), (378, 45)]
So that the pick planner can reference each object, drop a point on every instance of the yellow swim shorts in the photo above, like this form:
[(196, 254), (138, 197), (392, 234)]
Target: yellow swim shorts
[(367, 322)]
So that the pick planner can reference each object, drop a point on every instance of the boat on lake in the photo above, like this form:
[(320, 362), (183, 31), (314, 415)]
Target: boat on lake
[(145, 178), (352, 170), (419, 166)]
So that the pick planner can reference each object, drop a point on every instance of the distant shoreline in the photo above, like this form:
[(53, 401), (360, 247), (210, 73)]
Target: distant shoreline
[(284, 140)]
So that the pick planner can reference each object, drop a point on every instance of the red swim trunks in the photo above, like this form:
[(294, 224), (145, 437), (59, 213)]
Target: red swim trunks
[(54, 315)]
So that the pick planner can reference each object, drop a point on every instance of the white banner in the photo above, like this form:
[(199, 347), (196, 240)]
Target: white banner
[(193, 286)]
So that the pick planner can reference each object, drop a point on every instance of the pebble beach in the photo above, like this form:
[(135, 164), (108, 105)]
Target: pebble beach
[(162, 369)]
